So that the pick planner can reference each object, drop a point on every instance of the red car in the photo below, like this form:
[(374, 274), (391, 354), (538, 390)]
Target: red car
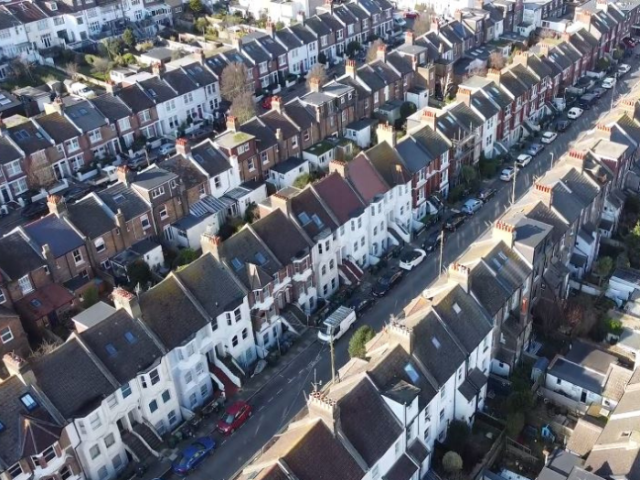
[(266, 103), (234, 417), (411, 14)]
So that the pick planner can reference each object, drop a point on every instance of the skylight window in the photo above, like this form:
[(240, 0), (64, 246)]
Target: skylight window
[(304, 218), (29, 402), (502, 256), (130, 337), (111, 350), (436, 342), (1, 426), (317, 221), (237, 264), (411, 371), (260, 258), (118, 198), (456, 308)]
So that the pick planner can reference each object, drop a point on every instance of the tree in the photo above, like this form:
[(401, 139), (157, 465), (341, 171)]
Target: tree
[(457, 436), (622, 260), (129, 38), (90, 297), (195, 6), (114, 47), (185, 257), (22, 68), (280, 25), (317, 72), (234, 81), (101, 66), (603, 268), (201, 24), (422, 24), (358, 343), (41, 174), (251, 214), (353, 47), (633, 245), (469, 175), (452, 462), (322, 58), (515, 424), (302, 181), (496, 60), (521, 401), (72, 69), (243, 107), (372, 51), (139, 274)]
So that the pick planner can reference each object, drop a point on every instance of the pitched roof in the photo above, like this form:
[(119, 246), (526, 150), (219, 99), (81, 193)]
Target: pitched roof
[(183, 169), (84, 115), (152, 177), (88, 216), (365, 178), (55, 232), (111, 106), (385, 159), (338, 195), (403, 469), (57, 127), (305, 206), (157, 90), (28, 137), (135, 98), (18, 256), (281, 236), (77, 394), (584, 437), (122, 345), (120, 197), (8, 153), (210, 158), (180, 81)]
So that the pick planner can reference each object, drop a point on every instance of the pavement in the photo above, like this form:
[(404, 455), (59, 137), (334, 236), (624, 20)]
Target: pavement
[(278, 398)]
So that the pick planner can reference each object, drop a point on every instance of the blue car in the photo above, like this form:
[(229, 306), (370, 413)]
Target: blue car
[(191, 456)]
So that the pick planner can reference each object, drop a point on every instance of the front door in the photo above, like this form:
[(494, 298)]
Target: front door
[(121, 426), (583, 397), (5, 196)]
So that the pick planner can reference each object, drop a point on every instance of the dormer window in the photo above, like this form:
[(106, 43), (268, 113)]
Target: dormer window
[(156, 192)]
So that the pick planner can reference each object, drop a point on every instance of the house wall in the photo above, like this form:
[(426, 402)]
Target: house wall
[(572, 391)]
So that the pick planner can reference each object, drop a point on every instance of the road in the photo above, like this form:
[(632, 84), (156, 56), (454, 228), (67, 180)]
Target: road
[(281, 399)]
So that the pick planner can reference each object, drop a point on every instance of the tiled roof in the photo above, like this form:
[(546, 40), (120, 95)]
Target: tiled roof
[(273, 228), (338, 195), (304, 206), (388, 164), (88, 216), (188, 173), (18, 257), (112, 107), (28, 137), (364, 178), (55, 232), (157, 90), (120, 197), (135, 98), (57, 127), (584, 437)]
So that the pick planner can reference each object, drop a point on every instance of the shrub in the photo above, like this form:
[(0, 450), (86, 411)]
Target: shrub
[(357, 344), (185, 257), (515, 424), (452, 462), (90, 297)]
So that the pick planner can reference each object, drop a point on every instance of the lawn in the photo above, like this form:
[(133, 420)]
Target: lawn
[(38, 76)]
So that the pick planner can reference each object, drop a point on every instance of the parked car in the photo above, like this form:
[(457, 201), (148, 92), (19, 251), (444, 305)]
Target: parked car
[(81, 89), (360, 304), (534, 149), (562, 125), (138, 163), (523, 160), (387, 282), (575, 113), (432, 242), (266, 102), (411, 14), (34, 210), (507, 174), (471, 206), (598, 92), (411, 259), (587, 101), (486, 194), (167, 149), (455, 221), (75, 193), (608, 83), (401, 22), (235, 416), (548, 137), (189, 458), (623, 68)]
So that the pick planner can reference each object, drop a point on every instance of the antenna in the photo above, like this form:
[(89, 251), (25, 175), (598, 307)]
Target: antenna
[(515, 175), (316, 384), (441, 251)]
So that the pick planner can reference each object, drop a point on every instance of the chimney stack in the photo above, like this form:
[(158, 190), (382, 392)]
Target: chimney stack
[(329, 5), (521, 58), (211, 243), (321, 406), (57, 205), (464, 95), (544, 193), (429, 118), (629, 107), (460, 274), (576, 158), (350, 68), (18, 366), (157, 68), (127, 301), (403, 335), (435, 24), (381, 53), (271, 29), (314, 85), (386, 133), (281, 202), (125, 175), (409, 39), (236, 42), (232, 123), (338, 166), (494, 75), (276, 103), (301, 17), (505, 232), (458, 15), (182, 147)]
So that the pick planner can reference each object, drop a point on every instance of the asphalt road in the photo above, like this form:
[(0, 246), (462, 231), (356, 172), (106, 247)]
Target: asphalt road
[(281, 399)]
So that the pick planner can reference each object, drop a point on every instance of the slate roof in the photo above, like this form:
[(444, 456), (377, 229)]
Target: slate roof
[(162, 305), (577, 375), (363, 405), (85, 116), (486, 287), (566, 204), (180, 81), (199, 74), (28, 137), (307, 204), (255, 52), (510, 270), (183, 169), (542, 213), (135, 98), (18, 257), (120, 197), (303, 33), (57, 127), (77, 394), (338, 195), (153, 177), (88, 216), (134, 350), (580, 187), (289, 39), (584, 354), (388, 164), (8, 153), (288, 165), (55, 232), (23, 430), (300, 114), (112, 107), (317, 26), (210, 159), (271, 46), (403, 469), (157, 90), (275, 226), (274, 121)]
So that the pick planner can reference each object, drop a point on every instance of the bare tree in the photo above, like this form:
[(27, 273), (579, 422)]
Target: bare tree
[(243, 107), (101, 65), (45, 348), (235, 81), (317, 72), (496, 60), (422, 24), (372, 52), (72, 69), (22, 68), (41, 173)]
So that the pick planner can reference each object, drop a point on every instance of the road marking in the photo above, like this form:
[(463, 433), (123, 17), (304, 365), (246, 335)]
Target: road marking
[(291, 380), (261, 408), (279, 392), (269, 401)]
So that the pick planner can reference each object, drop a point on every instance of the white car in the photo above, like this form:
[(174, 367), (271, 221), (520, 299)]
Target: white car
[(608, 83), (507, 174), (523, 160), (471, 206), (167, 149), (82, 90), (412, 259), (401, 22), (548, 137), (574, 113), (623, 68)]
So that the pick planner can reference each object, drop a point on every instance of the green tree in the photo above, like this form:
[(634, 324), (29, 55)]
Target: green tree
[(358, 342), (185, 257), (129, 38), (90, 297), (622, 260), (101, 66), (452, 462), (515, 424), (201, 25), (302, 181), (633, 245), (521, 401), (353, 47), (457, 436), (603, 268), (139, 274), (195, 6), (280, 25), (372, 51), (469, 175)]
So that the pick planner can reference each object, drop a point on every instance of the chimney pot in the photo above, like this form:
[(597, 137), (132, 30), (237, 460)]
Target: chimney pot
[(232, 123), (182, 146)]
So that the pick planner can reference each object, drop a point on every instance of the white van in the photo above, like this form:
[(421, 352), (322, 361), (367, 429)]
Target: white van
[(82, 90), (336, 324)]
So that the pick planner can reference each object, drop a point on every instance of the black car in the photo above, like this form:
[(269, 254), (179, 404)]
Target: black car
[(432, 241), (562, 125), (486, 194), (598, 92), (386, 283), (75, 193), (455, 221), (34, 210), (360, 304)]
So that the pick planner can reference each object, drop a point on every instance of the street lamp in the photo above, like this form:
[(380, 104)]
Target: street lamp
[(551, 165)]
